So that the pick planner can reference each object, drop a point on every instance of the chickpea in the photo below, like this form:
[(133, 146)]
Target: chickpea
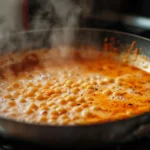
[(11, 103), (107, 92), (9, 96), (85, 113), (33, 106)]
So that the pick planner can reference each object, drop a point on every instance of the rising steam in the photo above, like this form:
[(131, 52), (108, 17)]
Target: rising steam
[(60, 14), (52, 14)]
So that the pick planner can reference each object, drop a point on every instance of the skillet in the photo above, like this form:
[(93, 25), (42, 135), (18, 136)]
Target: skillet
[(105, 133)]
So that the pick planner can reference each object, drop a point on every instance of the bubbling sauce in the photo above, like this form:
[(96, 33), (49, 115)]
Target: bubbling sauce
[(46, 87)]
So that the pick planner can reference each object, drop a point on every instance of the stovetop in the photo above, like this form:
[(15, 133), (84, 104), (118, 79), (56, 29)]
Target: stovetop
[(142, 144)]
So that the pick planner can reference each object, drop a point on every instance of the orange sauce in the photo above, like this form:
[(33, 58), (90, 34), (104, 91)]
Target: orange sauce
[(47, 87)]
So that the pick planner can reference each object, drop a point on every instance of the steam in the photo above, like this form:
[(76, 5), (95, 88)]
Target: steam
[(61, 14), (52, 14), (69, 17)]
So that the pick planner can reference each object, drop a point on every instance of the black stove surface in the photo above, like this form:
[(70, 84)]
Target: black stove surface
[(142, 144)]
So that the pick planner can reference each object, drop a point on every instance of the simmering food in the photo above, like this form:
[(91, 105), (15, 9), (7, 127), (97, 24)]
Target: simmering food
[(79, 87)]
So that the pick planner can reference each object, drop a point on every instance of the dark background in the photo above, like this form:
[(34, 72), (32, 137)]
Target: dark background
[(124, 15)]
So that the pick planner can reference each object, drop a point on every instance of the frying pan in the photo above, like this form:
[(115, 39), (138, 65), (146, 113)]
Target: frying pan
[(104, 133)]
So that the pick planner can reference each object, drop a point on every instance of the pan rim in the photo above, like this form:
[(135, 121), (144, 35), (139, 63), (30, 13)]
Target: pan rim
[(82, 125), (77, 29)]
